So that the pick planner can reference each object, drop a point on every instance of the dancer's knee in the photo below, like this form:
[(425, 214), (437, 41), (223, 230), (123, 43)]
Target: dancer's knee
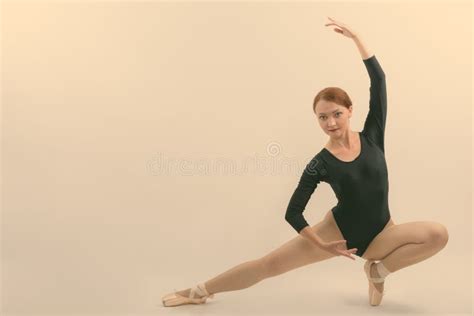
[(270, 266), (438, 234)]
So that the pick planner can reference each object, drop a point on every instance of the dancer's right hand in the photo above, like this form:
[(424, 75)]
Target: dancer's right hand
[(337, 247)]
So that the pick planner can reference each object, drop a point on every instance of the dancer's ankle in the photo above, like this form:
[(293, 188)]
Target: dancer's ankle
[(382, 271)]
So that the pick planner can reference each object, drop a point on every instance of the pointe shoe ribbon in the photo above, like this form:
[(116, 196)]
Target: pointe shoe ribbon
[(201, 290)]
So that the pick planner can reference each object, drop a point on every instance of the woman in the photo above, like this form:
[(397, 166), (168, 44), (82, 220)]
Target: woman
[(353, 163)]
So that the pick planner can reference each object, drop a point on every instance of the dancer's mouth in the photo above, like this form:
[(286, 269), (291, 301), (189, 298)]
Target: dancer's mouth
[(332, 130)]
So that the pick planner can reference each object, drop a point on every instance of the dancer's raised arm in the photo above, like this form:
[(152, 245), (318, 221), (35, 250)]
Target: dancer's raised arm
[(374, 125)]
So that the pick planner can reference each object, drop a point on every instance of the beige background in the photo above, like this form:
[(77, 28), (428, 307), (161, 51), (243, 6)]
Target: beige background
[(126, 128)]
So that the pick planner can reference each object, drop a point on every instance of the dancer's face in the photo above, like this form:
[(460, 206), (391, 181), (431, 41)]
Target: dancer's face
[(332, 116)]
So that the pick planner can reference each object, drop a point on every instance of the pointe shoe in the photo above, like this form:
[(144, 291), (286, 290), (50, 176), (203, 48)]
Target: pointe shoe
[(175, 299), (375, 297)]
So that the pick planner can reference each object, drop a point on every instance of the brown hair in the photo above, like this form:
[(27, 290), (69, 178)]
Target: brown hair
[(333, 94)]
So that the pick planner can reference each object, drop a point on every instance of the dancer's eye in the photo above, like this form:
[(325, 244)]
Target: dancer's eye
[(323, 117)]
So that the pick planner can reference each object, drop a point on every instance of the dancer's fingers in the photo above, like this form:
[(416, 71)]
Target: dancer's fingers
[(347, 253)]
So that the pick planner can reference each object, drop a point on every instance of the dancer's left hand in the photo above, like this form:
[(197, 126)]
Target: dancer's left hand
[(342, 28)]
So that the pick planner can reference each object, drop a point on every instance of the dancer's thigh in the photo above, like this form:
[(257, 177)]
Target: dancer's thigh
[(299, 251), (395, 236)]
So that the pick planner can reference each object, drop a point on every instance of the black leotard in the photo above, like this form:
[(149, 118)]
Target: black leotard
[(361, 185)]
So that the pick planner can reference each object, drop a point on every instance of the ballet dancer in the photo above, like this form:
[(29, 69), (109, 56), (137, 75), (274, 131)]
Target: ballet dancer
[(353, 164)]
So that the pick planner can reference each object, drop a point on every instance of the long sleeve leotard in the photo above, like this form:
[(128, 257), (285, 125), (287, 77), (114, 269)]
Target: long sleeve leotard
[(361, 185)]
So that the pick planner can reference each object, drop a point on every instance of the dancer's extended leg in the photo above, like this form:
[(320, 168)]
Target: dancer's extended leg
[(293, 254)]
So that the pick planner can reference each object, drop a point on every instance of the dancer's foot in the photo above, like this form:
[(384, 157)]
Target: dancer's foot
[(375, 274), (195, 295)]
